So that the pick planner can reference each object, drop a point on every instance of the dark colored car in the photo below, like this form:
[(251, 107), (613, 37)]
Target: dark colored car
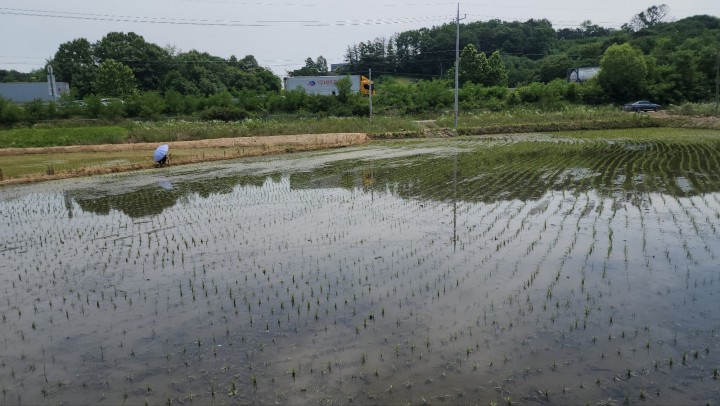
[(642, 105)]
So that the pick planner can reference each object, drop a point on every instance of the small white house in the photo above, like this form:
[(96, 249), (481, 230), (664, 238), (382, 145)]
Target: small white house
[(23, 92), (582, 74)]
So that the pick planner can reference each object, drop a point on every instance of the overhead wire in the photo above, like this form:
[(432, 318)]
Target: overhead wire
[(206, 22), (269, 23)]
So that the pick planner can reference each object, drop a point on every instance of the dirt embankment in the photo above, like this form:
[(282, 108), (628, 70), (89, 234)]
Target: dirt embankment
[(709, 122), (287, 141), (192, 152)]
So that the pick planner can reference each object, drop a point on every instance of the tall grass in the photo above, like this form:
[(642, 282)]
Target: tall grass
[(694, 109), (180, 130), (517, 120), (50, 137), (522, 116)]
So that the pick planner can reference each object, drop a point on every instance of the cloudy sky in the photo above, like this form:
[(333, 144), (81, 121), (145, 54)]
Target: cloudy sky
[(281, 34)]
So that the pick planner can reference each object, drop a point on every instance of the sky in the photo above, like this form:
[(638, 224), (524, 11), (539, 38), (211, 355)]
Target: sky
[(280, 34)]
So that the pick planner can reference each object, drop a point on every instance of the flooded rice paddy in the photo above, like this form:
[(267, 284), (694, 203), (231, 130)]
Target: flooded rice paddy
[(514, 270)]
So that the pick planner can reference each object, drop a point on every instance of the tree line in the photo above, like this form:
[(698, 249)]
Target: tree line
[(122, 63), (502, 64), (670, 62)]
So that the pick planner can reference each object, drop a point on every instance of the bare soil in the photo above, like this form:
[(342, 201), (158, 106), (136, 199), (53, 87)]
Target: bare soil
[(302, 140), (207, 150)]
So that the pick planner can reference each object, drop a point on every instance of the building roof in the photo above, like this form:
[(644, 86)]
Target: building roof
[(23, 92)]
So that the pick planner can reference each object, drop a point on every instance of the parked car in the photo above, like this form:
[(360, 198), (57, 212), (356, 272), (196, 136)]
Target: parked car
[(106, 102), (641, 105)]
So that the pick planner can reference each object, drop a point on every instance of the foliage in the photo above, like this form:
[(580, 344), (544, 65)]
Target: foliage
[(133, 51), (547, 96), (378, 55), (312, 68), (497, 72), (10, 113), (478, 97), (159, 69), (344, 87), (12, 75), (74, 62), (590, 92), (48, 137), (648, 18), (152, 105), (694, 109), (586, 30), (666, 62), (114, 79), (623, 73), (554, 67), (224, 113), (224, 124), (473, 66), (112, 109), (35, 111), (396, 97)]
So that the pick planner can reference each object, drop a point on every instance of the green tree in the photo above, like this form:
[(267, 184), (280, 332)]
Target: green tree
[(114, 79), (344, 87), (318, 67), (74, 62), (554, 67), (175, 81), (149, 62), (473, 65), (521, 70), (37, 75), (496, 72), (648, 18), (623, 72)]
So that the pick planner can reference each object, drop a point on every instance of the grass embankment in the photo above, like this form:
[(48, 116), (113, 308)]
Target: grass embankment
[(81, 133), (62, 149)]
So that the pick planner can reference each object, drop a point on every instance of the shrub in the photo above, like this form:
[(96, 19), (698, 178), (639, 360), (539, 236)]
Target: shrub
[(113, 109), (474, 96), (35, 111), (223, 99), (224, 113), (10, 113), (694, 109), (174, 103), (93, 106), (152, 105), (591, 92)]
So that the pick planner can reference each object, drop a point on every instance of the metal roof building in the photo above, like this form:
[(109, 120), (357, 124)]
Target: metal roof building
[(23, 92)]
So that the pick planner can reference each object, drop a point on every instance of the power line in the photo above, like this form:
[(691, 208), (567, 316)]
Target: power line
[(204, 22)]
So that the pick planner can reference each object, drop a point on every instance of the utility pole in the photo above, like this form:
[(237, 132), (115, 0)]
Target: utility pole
[(717, 85), (370, 90), (457, 63), (457, 76)]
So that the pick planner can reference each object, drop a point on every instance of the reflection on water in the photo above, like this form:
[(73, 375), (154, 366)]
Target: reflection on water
[(522, 171), (550, 273)]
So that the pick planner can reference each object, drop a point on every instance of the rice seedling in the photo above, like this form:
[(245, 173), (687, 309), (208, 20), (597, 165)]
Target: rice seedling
[(553, 247)]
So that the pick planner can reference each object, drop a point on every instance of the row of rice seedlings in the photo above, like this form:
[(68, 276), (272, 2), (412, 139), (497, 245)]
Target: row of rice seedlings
[(421, 287)]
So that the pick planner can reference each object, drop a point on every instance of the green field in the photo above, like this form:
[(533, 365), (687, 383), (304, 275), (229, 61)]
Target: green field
[(81, 133)]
